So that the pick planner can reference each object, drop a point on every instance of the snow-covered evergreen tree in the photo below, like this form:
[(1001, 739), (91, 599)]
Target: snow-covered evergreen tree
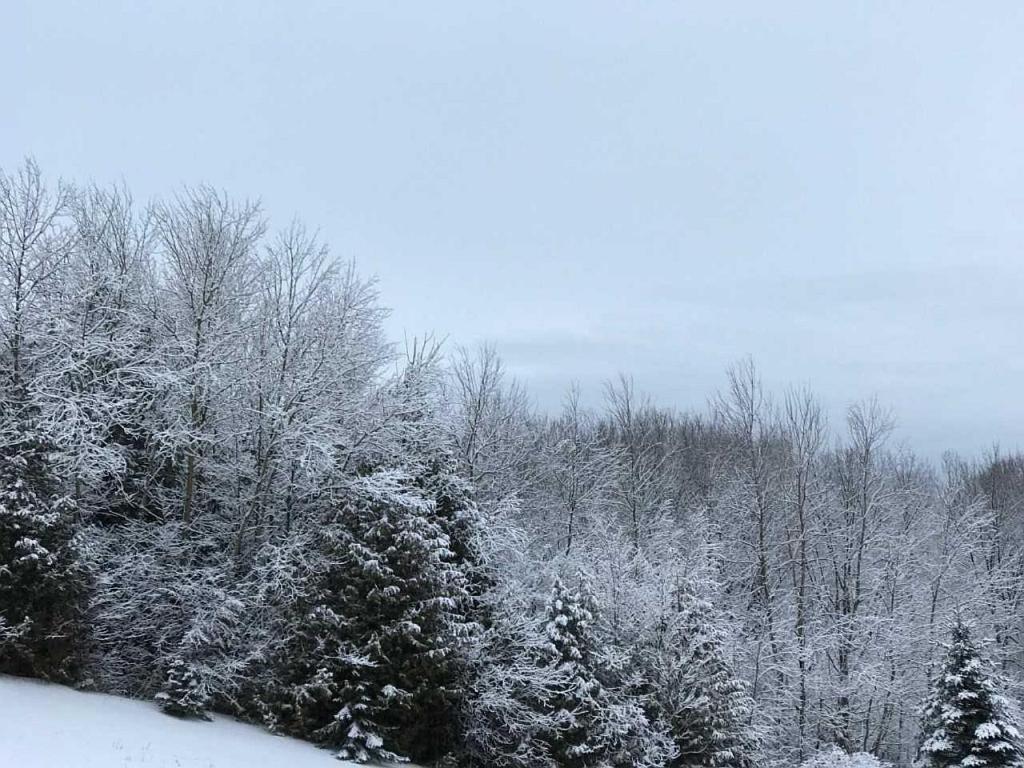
[(182, 694), (966, 721), (356, 725), (390, 597), (578, 740), (41, 580), (706, 705)]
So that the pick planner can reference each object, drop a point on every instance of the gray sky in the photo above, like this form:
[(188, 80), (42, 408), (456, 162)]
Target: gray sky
[(661, 188)]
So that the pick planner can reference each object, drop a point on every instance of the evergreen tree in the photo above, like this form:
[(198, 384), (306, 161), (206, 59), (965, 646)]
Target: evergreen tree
[(356, 725), (372, 663), (460, 521), (706, 706), (577, 742), (182, 694), (459, 518), (966, 722), (42, 583)]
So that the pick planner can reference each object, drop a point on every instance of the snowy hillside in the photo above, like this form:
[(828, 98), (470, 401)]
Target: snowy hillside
[(43, 725)]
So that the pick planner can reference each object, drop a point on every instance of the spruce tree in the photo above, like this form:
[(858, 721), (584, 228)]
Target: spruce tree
[(460, 520), (706, 705), (372, 663), (356, 725), (577, 741), (966, 722), (42, 583), (182, 694), (455, 512)]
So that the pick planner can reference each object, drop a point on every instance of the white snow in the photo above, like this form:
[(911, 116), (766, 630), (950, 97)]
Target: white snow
[(44, 726), (987, 731)]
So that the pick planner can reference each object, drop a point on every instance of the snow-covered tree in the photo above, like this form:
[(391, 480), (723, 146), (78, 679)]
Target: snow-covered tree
[(570, 633), (597, 717), (639, 430), (966, 721), (489, 423), (42, 583), (355, 726), (208, 244), (706, 705), (104, 380), (182, 694), (505, 724), (309, 366), (580, 469), (391, 598)]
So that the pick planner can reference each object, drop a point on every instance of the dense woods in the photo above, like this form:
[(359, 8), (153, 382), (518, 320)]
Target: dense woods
[(222, 488)]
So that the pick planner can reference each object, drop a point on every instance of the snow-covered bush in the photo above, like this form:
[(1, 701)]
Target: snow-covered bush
[(834, 757)]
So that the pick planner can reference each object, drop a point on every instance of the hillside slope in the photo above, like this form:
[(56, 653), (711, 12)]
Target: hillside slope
[(47, 726)]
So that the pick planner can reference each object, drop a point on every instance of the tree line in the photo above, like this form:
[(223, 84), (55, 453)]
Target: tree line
[(222, 488)]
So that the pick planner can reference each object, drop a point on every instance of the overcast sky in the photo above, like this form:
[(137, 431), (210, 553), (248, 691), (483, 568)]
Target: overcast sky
[(835, 188)]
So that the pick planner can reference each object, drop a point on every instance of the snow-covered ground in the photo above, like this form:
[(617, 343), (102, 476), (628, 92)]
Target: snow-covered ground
[(49, 726)]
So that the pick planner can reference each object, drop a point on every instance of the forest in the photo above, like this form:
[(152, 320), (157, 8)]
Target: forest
[(224, 489)]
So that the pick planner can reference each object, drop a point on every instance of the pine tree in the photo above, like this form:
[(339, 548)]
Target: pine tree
[(182, 694), (459, 518), (965, 721), (42, 583), (577, 742), (355, 726), (455, 512), (705, 704), (372, 664)]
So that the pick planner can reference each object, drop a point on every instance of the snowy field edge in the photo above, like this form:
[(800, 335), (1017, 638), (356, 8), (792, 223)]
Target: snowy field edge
[(43, 725)]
